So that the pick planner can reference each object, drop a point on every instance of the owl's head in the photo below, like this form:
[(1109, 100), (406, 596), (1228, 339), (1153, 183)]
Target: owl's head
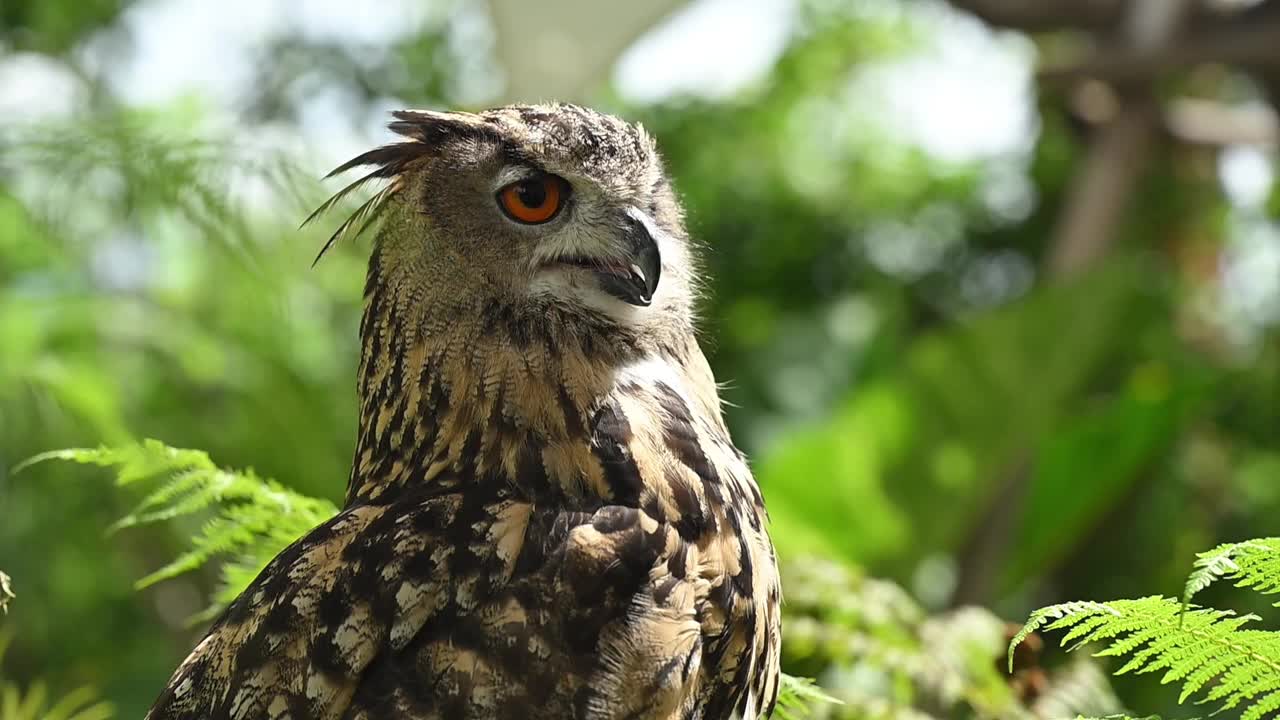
[(551, 211)]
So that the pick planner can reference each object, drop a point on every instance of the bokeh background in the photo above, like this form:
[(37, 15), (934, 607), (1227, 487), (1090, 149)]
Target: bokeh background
[(994, 284)]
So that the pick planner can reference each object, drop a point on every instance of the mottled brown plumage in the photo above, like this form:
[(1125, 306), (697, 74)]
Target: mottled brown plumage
[(545, 517)]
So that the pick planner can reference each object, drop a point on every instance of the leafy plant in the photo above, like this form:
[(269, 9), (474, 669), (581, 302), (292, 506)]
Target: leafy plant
[(1211, 653), (254, 518), (797, 698), (35, 703), (1251, 564), (878, 651)]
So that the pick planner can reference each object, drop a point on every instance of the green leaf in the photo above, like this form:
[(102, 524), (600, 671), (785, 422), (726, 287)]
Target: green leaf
[(1191, 646), (797, 698), (1251, 564), (253, 518), (1061, 611)]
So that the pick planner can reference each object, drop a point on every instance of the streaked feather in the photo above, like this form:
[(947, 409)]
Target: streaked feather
[(366, 214)]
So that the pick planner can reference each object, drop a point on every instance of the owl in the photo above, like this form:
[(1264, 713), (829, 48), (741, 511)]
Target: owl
[(545, 515)]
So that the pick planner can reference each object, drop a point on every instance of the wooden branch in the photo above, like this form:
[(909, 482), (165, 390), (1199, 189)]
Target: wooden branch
[(1192, 121), (1087, 228), (1100, 192), (1204, 122), (1033, 16), (1254, 48), (983, 553), (1045, 15)]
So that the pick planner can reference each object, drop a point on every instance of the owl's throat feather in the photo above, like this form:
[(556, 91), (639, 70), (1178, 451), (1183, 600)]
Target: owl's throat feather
[(482, 391)]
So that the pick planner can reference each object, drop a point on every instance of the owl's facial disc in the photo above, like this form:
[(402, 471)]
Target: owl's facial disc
[(588, 240), (611, 248), (627, 267)]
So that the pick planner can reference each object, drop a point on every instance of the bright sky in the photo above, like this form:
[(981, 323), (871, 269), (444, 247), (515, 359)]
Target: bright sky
[(194, 47), (965, 96), (734, 41)]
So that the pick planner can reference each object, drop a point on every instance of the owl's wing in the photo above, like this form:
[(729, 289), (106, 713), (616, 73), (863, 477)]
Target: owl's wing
[(297, 641), (589, 621), (458, 605)]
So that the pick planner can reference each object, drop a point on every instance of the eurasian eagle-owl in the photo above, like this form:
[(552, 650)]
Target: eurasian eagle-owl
[(545, 517)]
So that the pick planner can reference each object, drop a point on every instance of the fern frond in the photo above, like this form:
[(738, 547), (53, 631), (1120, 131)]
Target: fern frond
[(254, 518), (1193, 648), (797, 698), (1251, 564), (135, 462), (1079, 610)]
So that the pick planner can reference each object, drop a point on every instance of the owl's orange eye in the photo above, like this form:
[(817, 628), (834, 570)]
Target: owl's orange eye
[(533, 200)]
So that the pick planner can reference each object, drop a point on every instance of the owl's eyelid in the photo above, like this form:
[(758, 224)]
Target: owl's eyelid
[(514, 173)]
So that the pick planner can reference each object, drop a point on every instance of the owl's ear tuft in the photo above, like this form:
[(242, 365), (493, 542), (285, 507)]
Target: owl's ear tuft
[(363, 217), (390, 161), (434, 128), (426, 130)]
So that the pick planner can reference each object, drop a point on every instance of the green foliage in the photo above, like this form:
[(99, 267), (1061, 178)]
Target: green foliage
[(54, 25), (1120, 716), (884, 656), (36, 702), (1211, 653), (154, 283), (954, 412), (254, 519), (797, 698), (1251, 564), (169, 303)]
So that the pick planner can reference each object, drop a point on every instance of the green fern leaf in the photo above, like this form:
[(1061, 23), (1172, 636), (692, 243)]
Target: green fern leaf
[(1262, 707), (1193, 647), (1072, 611), (1251, 564), (797, 698), (134, 462), (253, 518)]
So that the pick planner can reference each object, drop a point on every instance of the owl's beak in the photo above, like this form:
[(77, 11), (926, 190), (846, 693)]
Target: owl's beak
[(636, 283)]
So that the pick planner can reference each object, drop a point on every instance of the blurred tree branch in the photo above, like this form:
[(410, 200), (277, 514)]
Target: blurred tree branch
[(1255, 48), (1209, 123), (1038, 15), (1190, 121), (1097, 198), (1135, 44), (1228, 33), (1033, 16)]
